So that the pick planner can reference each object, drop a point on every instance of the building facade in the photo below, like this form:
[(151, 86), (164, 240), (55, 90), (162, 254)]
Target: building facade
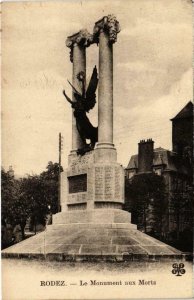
[(175, 167)]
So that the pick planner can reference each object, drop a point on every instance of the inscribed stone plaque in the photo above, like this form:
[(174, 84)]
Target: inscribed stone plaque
[(117, 183), (77, 183), (99, 178), (108, 189)]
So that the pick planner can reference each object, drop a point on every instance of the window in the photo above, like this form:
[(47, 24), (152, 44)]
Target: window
[(158, 172)]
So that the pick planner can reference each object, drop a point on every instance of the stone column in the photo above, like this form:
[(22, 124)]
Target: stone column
[(105, 34), (77, 44)]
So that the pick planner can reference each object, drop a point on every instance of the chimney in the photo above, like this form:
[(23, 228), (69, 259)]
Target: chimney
[(145, 156)]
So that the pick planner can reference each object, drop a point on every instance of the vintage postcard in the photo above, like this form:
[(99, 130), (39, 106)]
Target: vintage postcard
[(97, 150)]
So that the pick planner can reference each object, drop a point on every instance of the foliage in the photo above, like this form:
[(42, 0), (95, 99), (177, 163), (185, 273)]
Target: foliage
[(145, 199), (181, 209), (10, 194), (32, 196), (50, 182)]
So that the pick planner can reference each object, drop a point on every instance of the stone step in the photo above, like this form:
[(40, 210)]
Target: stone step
[(91, 240)]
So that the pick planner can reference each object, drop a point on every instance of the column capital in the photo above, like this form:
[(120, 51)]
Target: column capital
[(82, 38), (107, 24)]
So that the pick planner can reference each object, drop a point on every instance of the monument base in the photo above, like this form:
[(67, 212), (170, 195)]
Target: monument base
[(98, 234)]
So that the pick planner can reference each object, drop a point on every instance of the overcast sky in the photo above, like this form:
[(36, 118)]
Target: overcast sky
[(152, 75)]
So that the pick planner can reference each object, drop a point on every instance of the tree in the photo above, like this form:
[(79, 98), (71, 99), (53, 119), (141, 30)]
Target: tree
[(10, 191), (146, 200), (41, 192), (30, 196), (32, 193), (14, 209), (181, 214), (50, 179)]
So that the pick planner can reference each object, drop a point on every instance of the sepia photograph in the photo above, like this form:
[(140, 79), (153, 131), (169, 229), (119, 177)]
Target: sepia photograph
[(97, 149)]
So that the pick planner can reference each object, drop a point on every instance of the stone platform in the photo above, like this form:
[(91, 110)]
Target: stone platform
[(92, 235)]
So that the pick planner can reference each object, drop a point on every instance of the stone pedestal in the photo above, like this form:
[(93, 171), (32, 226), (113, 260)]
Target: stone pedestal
[(91, 182), (94, 216)]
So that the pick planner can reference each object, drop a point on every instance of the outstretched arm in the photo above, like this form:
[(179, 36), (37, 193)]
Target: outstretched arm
[(68, 99)]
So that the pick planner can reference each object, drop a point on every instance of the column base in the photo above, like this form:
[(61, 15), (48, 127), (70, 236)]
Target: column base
[(105, 145), (105, 152)]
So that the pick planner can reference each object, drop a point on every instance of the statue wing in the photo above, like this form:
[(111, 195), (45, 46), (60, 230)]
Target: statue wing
[(78, 97), (91, 90)]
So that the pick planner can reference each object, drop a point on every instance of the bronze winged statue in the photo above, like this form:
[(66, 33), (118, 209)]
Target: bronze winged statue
[(85, 101)]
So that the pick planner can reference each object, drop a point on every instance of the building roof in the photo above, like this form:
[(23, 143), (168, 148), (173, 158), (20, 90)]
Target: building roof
[(162, 157), (133, 162), (186, 112)]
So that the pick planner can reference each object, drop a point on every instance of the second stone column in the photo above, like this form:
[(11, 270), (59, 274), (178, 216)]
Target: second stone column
[(105, 33)]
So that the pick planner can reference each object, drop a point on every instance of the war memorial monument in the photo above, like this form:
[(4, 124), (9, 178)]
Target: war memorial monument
[(92, 224)]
